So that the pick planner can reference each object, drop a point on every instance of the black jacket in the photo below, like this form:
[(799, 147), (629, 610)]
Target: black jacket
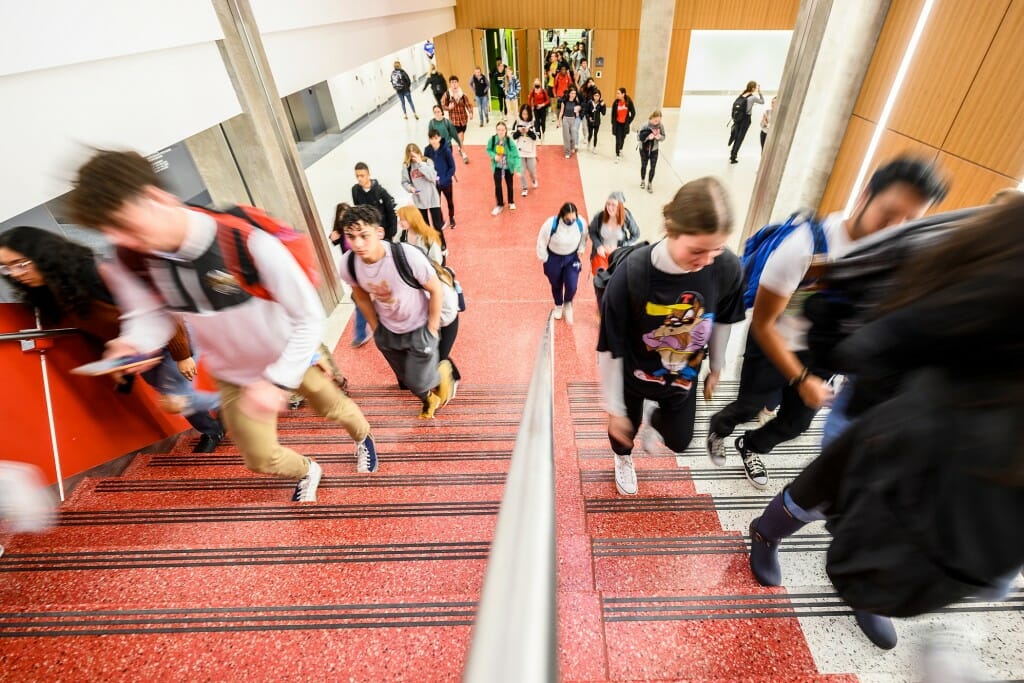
[(436, 83), (621, 127), (379, 197), (593, 111)]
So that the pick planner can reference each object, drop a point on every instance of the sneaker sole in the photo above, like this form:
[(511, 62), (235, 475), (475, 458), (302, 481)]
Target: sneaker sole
[(757, 485)]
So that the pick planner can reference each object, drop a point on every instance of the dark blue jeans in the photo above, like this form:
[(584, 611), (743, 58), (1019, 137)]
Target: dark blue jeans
[(564, 275)]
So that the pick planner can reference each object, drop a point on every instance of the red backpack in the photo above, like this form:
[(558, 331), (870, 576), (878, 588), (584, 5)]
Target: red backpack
[(235, 224)]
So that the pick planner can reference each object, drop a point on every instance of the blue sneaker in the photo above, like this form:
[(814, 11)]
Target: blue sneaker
[(357, 342), (366, 455)]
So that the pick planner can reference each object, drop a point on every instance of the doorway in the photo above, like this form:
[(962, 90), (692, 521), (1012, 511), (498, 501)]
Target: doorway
[(502, 44), (573, 43)]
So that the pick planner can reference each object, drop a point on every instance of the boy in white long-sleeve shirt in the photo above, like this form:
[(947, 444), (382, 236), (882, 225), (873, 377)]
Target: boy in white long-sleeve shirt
[(259, 349)]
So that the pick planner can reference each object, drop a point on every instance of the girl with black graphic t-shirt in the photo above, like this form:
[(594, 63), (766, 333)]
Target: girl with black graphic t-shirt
[(666, 305)]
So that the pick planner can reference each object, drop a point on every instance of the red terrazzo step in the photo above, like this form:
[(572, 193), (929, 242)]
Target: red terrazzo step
[(307, 643), (641, 516), (272, 573), (652, 482)]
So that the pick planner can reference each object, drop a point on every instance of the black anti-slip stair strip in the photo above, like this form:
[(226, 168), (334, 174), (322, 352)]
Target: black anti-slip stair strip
[(106, 560), (228, 459), (119, 485), (268, 513), (234, 619)]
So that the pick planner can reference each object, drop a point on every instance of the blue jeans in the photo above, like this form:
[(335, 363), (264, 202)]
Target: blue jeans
[(837, 420), (168, 381), (360, 325), (483, 104), (404, 95), (563, 273)]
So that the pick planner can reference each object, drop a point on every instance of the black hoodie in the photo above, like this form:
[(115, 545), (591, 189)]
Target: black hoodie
[(377, 196)]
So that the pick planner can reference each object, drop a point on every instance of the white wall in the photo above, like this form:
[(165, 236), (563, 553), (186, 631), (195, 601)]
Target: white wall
[(363, 89), (723, 61)]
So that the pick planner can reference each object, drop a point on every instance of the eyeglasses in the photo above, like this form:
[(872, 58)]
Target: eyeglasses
[(16, 267)]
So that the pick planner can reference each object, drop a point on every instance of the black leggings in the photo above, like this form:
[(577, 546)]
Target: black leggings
[(620, 133), (739, 132), (540, 118), (498, 172), (644, 158), (444, 347), (433, 216), (818, 484), (673, 418), (592, 129), (446, 190)]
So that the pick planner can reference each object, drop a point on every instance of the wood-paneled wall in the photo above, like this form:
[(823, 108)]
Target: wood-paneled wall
[(616, 35), (959, 103)]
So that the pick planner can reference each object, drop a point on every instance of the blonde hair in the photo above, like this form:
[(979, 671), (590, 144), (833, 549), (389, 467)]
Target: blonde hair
[(409, 149), (412, 216), (656, 114), (700, 207)]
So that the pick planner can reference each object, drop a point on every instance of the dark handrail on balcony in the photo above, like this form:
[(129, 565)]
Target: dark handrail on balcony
[(26, 335), (514, 636)]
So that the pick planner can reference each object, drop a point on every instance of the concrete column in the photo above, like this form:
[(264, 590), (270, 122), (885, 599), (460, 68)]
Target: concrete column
[(216, 165), (656, 20), (261, 138), (833, 42)]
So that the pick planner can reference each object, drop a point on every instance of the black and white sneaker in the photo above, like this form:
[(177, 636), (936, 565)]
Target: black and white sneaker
[(366, 455), (305, 490), (753, 466)]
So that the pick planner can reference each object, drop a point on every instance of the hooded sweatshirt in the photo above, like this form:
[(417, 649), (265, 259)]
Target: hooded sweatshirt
[(379, 197)]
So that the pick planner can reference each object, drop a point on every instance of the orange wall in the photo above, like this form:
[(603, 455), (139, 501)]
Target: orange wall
[(94, 424), (959, 103)]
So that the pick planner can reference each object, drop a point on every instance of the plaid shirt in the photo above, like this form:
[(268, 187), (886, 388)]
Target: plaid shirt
[(460, 113)]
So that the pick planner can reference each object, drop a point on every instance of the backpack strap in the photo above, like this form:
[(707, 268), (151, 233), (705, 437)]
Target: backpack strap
[(402, 266), (351, 264)]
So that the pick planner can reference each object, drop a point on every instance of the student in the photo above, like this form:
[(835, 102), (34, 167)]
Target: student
[(436, 83), (449, 131), (504, 163), (499, 85), (540, 101), (583, 73), (415, 231), (651, 136), (60, 279), (359, 334), (741, 109), (652, 343), (419, 179), (406, 324), (512, 90), (570, 111), (610, 229), (560, 242), (368, 191), (593, 109), (776, 357), (525, 134), (623, 112), (767, 118), (563, 81), (401, 82), (923, 490), (440, 154), (258, 349), (478, 84), (460, 111)]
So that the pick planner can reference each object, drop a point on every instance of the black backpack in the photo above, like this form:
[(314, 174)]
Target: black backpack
[(739, 109), (638, 278)]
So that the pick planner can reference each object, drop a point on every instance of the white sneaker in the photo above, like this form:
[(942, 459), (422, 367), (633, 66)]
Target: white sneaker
[(716, 449), (625, 475), (535, 184), (765, 416), (511, 207), (650, 440), (305, 490), (568, 312), (496, 210), (525, 192), (558, 312), (566, 156)]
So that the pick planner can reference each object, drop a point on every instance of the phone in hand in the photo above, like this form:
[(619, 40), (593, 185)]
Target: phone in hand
[(107, 366)]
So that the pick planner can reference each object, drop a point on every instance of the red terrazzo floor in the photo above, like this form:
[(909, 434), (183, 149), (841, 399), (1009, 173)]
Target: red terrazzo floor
[(249, 586)]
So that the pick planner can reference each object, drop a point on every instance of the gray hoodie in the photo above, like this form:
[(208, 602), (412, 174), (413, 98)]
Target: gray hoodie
[(420, 180)]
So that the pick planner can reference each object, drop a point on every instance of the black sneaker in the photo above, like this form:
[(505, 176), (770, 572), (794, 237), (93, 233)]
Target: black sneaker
[(753, 466), (208, 443)]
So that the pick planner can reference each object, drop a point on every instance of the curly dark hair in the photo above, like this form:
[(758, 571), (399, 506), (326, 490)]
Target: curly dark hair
[(68, 269), (363, 213)]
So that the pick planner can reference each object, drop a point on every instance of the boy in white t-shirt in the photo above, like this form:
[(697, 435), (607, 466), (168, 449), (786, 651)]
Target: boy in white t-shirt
[(406, 320), (776, 359)]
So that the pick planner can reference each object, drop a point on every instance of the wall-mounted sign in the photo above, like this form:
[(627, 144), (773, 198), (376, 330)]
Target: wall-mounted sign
[(599, 62)]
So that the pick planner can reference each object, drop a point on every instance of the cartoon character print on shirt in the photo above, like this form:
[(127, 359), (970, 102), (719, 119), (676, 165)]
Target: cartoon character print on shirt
[(679, 340)]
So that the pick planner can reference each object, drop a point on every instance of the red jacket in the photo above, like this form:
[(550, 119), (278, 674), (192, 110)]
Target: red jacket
[(538, 98), (562, 83)]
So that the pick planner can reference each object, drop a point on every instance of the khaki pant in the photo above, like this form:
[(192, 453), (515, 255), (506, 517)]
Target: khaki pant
[(257, 439)]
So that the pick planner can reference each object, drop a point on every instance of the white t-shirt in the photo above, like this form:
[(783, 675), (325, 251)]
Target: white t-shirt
[(787, 267), (400, 308)]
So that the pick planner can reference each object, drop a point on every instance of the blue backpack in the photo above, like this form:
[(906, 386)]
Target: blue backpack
[(554, 225), (761, 244)]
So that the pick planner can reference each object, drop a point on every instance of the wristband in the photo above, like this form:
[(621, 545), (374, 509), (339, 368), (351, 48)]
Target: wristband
[(796, 381)]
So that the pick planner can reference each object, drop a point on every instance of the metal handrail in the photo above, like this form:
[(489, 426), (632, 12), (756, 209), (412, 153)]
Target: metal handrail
[(28, 335), (514, 636)]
